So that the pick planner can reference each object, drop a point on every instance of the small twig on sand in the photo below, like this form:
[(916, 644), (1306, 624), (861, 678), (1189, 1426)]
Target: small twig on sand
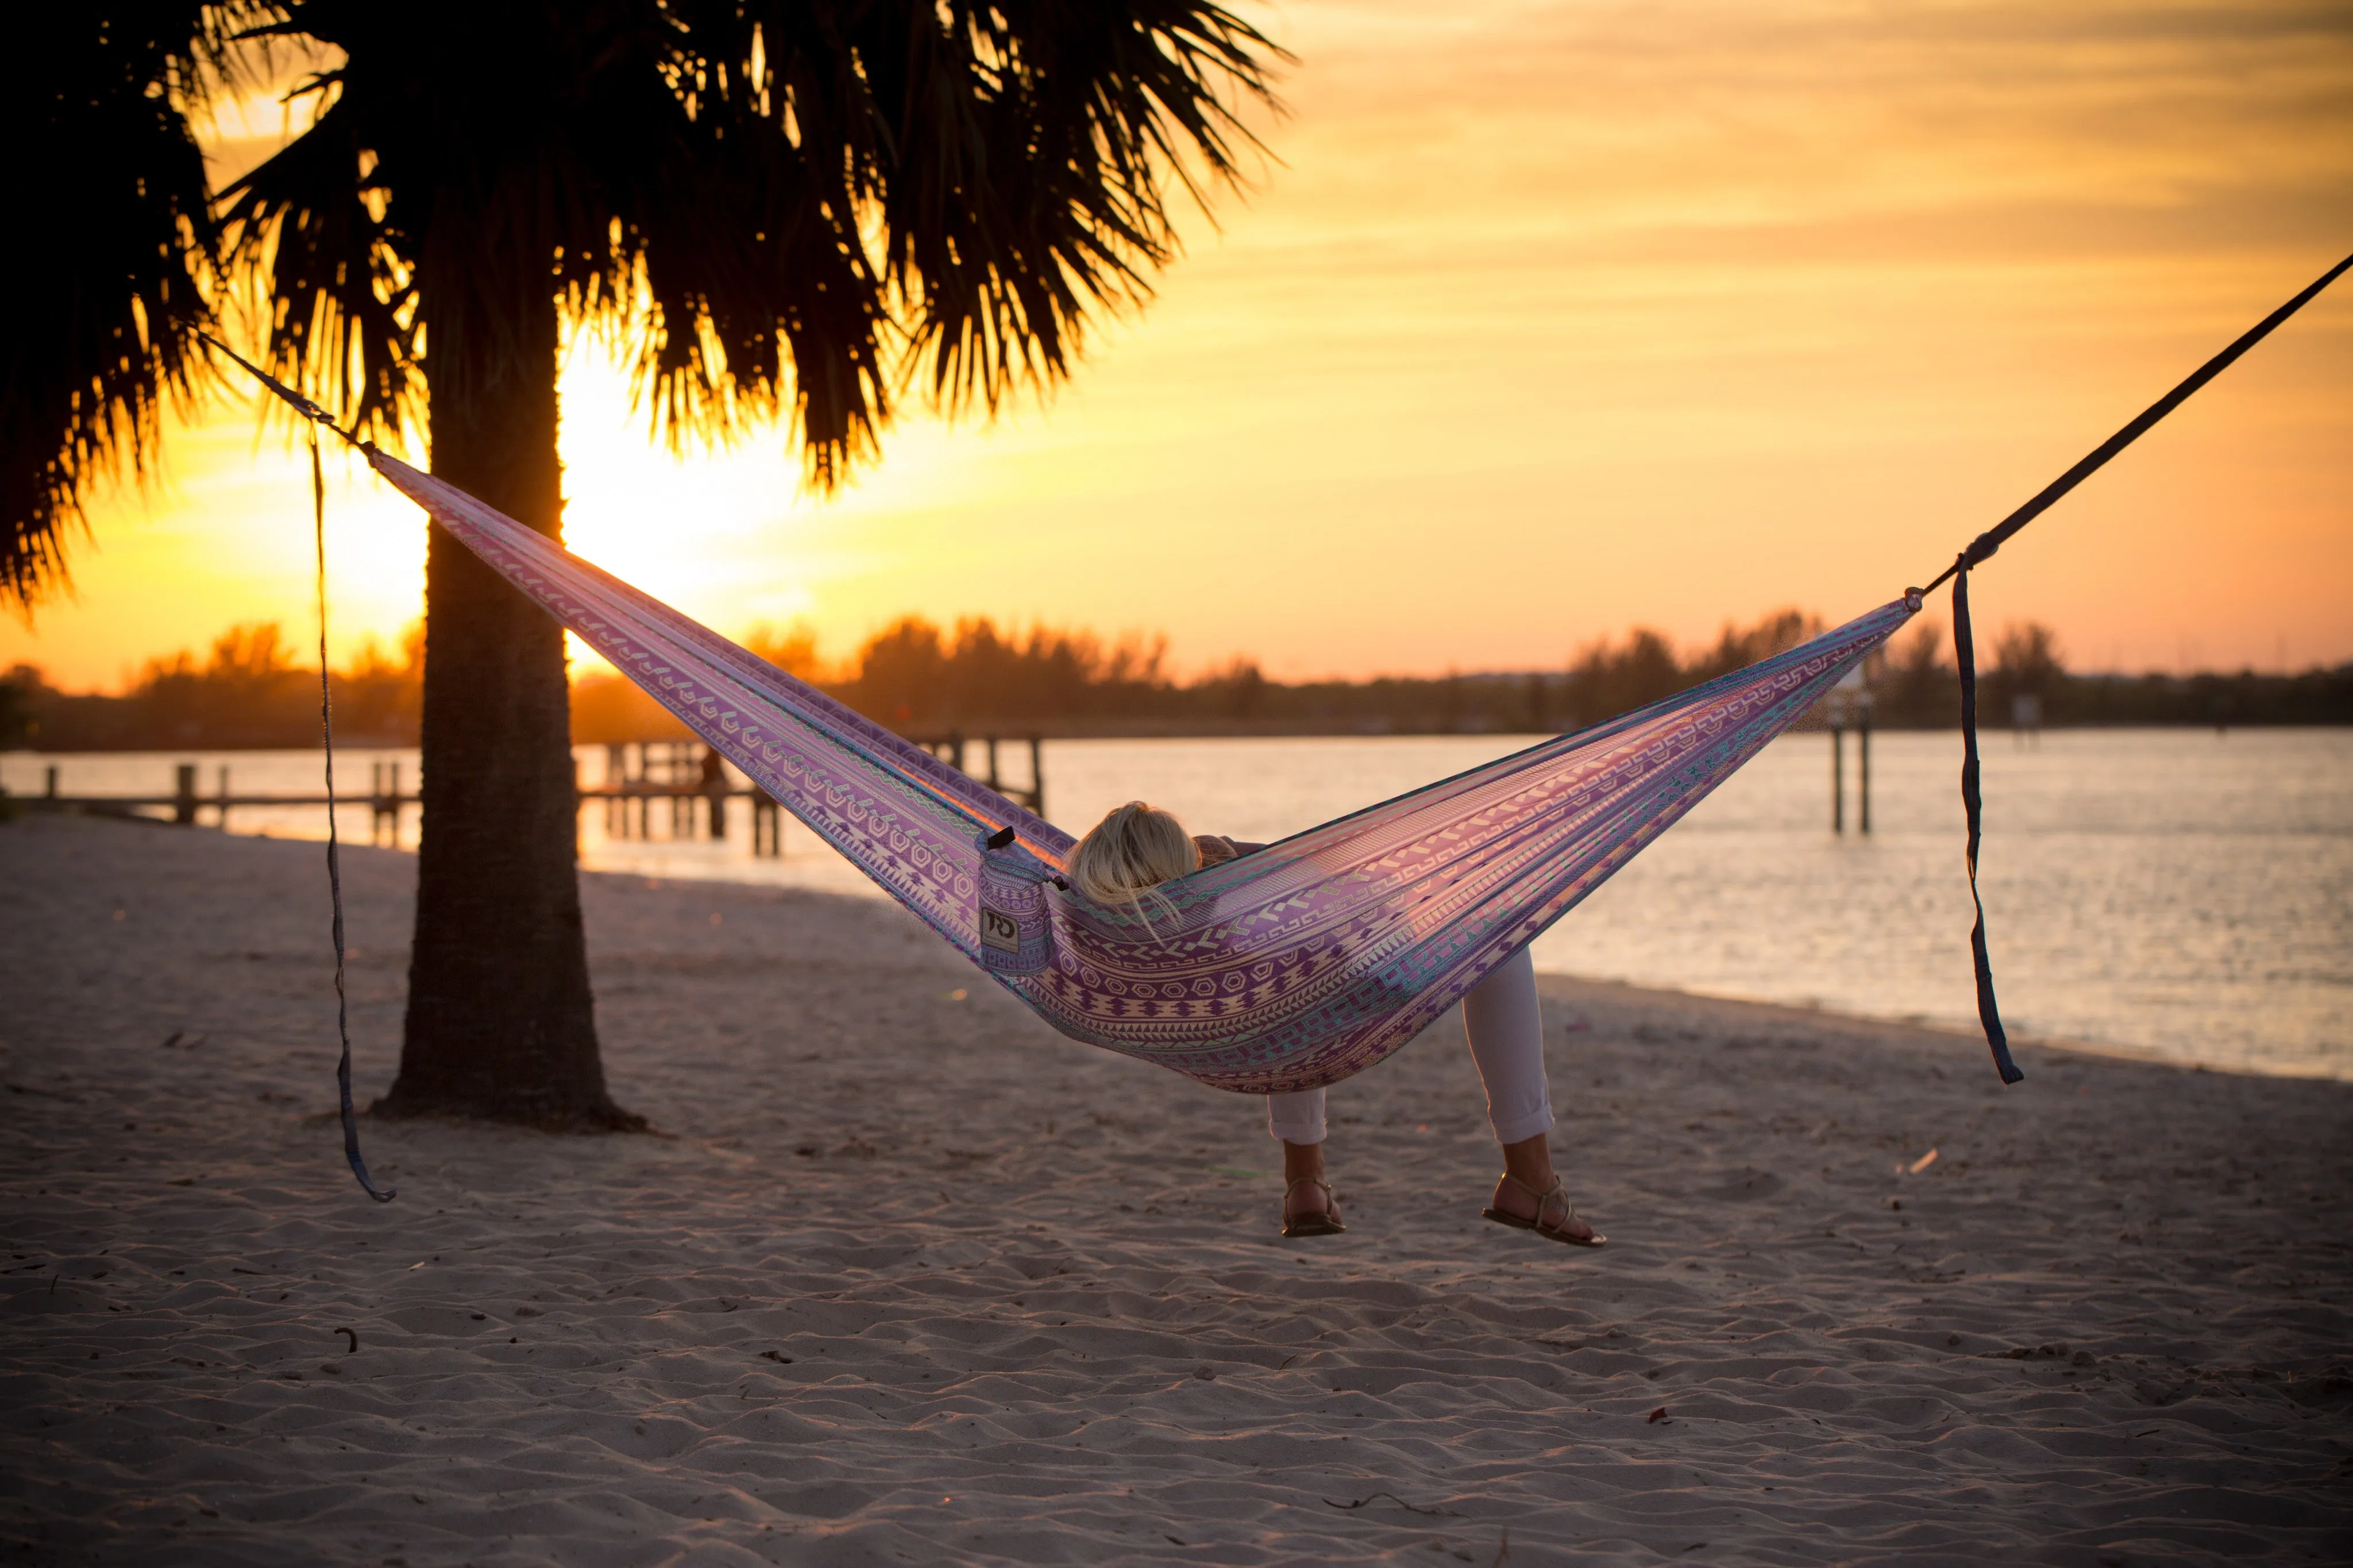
[(353, 1335), (1391, 1496)]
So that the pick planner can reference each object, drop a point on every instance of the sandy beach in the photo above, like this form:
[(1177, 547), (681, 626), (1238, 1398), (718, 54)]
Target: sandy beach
[(904, 1277)]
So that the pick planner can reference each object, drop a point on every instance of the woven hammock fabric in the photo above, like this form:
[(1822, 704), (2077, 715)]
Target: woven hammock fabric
[(1290, 968)]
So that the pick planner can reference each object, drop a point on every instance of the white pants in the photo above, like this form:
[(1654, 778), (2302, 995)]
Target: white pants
[(1506, 1032)]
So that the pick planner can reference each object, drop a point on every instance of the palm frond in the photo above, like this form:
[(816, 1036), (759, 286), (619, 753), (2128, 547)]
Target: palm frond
[(780, 207), (110, 271), (307, 232), (1035, 145), (915, 190)]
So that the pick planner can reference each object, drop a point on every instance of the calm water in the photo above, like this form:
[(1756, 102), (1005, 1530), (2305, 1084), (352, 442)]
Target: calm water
[(2175, 892)]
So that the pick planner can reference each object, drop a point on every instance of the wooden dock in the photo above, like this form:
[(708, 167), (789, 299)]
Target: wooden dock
[(638, 775), (184, 802)]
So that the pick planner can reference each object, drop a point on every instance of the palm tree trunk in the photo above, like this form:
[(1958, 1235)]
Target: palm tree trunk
[(501, 1023)]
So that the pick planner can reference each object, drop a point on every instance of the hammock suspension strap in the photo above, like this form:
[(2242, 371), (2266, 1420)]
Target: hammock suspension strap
[(334, 856), (1972, 806), (1981, 549)]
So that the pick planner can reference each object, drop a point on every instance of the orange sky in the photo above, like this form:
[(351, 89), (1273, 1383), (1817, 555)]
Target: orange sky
[(1553, 319)]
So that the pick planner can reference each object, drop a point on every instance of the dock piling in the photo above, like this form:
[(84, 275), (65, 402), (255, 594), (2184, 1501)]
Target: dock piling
[(1838, 776), (1848, 706), (950, 749), (1862, 766), (715, 793), (768, 825)]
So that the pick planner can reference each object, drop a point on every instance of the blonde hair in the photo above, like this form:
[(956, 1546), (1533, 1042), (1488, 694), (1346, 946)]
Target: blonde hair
[(1130, 852)]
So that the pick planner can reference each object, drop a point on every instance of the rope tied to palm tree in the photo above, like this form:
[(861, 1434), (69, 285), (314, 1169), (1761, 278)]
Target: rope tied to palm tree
[(317, 418), (334, 855), (296, 401)]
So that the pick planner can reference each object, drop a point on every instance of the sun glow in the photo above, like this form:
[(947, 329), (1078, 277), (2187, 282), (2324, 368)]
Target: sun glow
[(734, 534), (1552, 320)]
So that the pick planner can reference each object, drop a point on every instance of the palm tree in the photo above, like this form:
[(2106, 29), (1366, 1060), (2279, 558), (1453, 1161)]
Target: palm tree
[(782, 207)]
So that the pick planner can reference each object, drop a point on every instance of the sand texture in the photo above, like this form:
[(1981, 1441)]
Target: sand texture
[(908, 1278)]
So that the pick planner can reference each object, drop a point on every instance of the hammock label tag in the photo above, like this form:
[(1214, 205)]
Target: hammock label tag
[(999, 930)]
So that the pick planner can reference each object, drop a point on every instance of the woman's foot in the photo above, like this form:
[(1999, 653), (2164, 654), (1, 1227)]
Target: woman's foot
[(1307, 1205), (1308, 1209), (1529, 1196), (1545, 1211)]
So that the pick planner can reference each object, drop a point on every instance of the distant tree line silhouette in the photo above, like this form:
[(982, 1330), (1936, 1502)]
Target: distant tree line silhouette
[(249, 693), (978, 678), (1915, 686)]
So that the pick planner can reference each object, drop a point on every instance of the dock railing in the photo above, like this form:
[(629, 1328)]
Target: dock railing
[(687, 775), (951, 748)]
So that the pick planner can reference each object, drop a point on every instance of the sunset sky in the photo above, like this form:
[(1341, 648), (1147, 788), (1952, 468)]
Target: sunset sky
[(1544, 320)]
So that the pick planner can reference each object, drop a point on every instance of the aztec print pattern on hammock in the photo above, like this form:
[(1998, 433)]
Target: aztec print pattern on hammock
[(1291, 968)]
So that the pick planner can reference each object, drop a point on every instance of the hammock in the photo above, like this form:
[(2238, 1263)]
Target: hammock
[(1290, 968)]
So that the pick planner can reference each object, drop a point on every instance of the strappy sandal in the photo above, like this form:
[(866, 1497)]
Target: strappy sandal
[(1552, 1231), (1324, 1223)]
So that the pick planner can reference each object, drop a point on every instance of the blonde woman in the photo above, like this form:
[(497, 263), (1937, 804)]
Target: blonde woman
[(1138, 846)]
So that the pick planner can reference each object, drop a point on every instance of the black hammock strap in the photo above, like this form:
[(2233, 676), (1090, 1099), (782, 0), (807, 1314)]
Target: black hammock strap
[(1965, 645), (1973, 806), (1982, 547)]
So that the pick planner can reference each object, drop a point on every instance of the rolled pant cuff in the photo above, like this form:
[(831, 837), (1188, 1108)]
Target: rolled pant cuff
[(1526, 1125)]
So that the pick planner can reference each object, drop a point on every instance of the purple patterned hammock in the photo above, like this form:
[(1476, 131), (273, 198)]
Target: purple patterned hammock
[(1290, 968)]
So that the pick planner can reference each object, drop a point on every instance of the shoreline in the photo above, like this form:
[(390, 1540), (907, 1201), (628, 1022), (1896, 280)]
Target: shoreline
[(2072, 1045)]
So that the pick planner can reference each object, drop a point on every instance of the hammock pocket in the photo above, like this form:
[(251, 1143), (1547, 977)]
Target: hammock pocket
[(1290, 968), (1017, 930)]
